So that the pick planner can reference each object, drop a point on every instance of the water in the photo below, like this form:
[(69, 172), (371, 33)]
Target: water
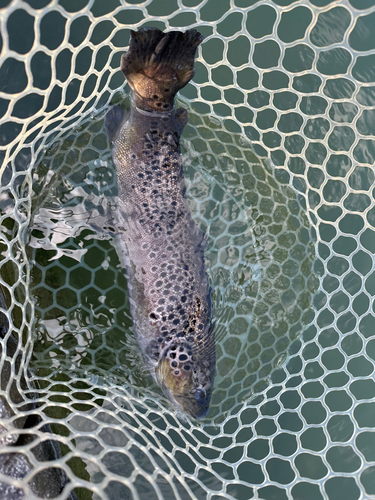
[(259, 258)]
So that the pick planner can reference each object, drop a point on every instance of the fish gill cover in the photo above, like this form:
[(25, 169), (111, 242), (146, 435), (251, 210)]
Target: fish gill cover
[(278, 157)]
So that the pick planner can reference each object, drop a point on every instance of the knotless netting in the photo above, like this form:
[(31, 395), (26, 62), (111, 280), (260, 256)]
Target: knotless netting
[(279, 160)]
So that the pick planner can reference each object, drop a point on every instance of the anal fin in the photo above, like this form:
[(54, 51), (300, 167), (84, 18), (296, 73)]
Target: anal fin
[(113, 121)]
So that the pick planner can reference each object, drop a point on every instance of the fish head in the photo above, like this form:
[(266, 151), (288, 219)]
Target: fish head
[(186, 376)]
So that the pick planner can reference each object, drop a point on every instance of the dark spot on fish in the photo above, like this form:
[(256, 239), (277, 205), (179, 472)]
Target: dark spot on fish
[(173, 348), (181, 349), (166, 90), (155, 97), (187, 367), (154, 316), (143, 270), (174, 364), (165, 106), (177, 372), (182, 357), (158, 104)]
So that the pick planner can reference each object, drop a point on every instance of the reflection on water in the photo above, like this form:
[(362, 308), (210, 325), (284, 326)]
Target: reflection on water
[(259, 259)]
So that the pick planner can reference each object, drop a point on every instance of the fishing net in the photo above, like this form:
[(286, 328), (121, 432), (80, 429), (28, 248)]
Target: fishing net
[(278, 156)]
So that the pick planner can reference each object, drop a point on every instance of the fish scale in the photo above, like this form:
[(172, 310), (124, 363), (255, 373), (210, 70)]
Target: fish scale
[(161, 246)]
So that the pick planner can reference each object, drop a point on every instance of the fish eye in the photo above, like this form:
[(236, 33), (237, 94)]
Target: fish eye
[(200, 394)]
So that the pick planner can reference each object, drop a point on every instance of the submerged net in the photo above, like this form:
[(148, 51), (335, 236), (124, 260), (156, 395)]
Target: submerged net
[(278, 158)]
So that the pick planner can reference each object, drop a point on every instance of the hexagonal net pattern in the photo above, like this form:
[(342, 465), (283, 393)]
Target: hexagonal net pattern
[(279, 160)]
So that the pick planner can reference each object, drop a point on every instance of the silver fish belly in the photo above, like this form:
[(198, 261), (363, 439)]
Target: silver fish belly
[(163, 249)]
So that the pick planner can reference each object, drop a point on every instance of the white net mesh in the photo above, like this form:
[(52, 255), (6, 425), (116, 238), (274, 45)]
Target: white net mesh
[(278, 157)]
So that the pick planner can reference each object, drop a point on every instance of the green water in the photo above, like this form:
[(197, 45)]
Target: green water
[(259, 258)]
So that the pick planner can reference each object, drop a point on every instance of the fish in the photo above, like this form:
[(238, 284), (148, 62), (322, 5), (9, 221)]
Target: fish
[(160, 246)]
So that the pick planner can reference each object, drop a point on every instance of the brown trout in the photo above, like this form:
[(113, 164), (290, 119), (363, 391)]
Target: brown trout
[(162, 248)]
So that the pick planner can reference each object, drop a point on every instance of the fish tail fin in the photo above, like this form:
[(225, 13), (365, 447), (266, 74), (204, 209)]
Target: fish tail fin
[(157, 65)]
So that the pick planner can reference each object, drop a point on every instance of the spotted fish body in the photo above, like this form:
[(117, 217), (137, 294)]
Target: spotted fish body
[(163, 249)]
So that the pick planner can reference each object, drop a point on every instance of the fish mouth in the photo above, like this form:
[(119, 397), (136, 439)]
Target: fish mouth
[(197, 411), (181, 391)]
